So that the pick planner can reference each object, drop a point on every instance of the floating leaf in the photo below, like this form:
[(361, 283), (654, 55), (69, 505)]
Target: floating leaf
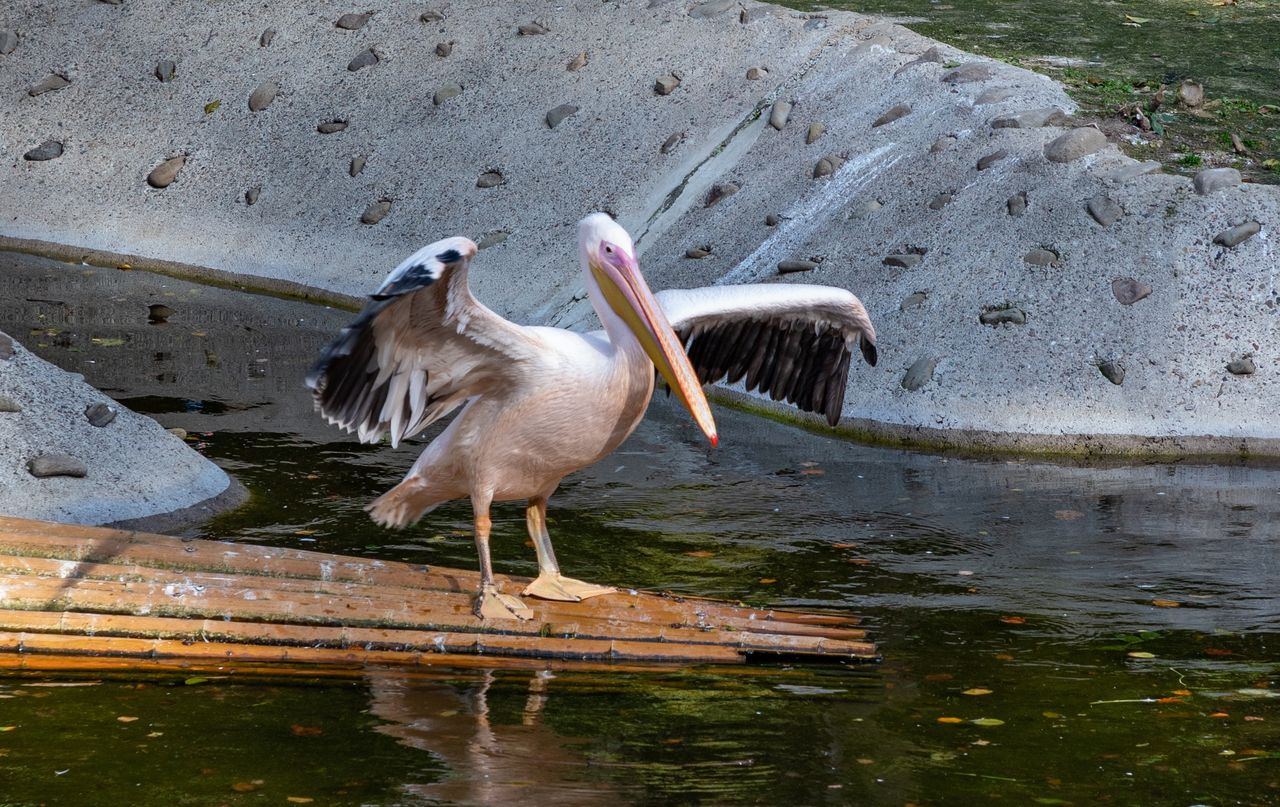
[(212, 107), (1014, 620), (987, 721), (950, 720), (976, 691), (1219, 714), (1166, 603), (1170, 700), (1051, 715), (768, 581), (1136, 20), (155, 734), (195, 680), (1183, 692), (244, 787), (7, 728), (126, 718), (1141, 654), (124, 267)]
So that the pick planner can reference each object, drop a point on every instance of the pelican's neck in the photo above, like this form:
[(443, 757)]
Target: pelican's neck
[(620, 335)]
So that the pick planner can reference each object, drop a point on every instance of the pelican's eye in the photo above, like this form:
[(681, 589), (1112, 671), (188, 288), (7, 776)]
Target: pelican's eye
[(608, 249)]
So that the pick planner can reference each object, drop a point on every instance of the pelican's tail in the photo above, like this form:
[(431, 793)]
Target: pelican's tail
[(405, 504)]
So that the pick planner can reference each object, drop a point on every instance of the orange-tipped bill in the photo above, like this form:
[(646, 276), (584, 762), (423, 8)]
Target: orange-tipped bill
[(618, 275)]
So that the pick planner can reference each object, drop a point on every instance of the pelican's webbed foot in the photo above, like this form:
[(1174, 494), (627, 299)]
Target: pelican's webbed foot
[(493, 604), (554, 586)]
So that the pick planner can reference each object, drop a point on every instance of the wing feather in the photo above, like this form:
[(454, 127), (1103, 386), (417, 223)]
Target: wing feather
[(791, 342), (420, 347)]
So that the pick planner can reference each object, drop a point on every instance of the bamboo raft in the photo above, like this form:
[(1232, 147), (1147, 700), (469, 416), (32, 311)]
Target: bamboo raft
[(76, 598)]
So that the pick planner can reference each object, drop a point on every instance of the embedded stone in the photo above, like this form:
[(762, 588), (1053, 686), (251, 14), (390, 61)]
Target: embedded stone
[(666, 85), (1242, 366), (447, 90), (991, 159), (55, 464), (913, 300), (1212, 180), (48, 150), (1031, 119), (6, 347), (357, 165), (9, 405), (490, 179), (903, 261), (49, 83), (376, 212), (165, 71), (444, 49), (827, 166), (721, 191), (756, 73), (251, 195), (1041, 257), (99, 414), (697, 253), (1191, 94), (353, 22), (431, 16), (1003, 316), (492, 239), (1134, 170), (163, 175), (332, 127), (1113, 371), (671, 142), (1104, 210), (919, 373), (555, 116), (711, 8), (1238, 234), (577, 63), (1073, 145), (779, 113), (942, 144), (930, 56), (940, 201), (1017, 204), (8, 42), (262, 97), (993, 95), (365, 58), (158, 313), (816, 130), (772, 220), (268, 36), (968, 73), (790, 267), (1128, 291), (532, 29), (894, 112)]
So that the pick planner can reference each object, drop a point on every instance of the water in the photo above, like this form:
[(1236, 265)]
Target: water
[(1026, 584)]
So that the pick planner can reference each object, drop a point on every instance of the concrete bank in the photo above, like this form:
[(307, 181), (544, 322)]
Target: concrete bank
[(1033, 287)]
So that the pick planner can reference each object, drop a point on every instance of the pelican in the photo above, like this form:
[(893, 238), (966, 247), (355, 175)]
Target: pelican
[(539, 403)]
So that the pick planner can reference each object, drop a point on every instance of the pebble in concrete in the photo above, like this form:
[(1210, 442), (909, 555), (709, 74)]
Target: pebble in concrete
[(1104, 210), (263, 95), (6, 347), (557, 115), (991, 159), (1113, 371), (1242, 366), (919, 373), (791, 267), (666, 85), (251, 195), (9, 405), (365, 58), (577, 62), (1017, 204), (1075, 144), (158, 313), (8, 42), (816, 130), (332, 126), (940, 201), (490, 179), (942, 144), (353, 22), (267, 37), (1031, 119), (721, 191), (49, 83), (697, 253), (431, 15), (671, 142), (993, 96), (1133, 170), (912, 300), (492, 239), (756, 73), (163, 175), (444, 49), (895, 112), (48, 150), (968, 73), (772, 220), (357, 165), (1238, 234), (1041, 257), (905, 260), (47, 465), (1001, 316), (711, 8), (448, 90), (1212, 180), (100, 414), (779, 114), (1128, 291), (930, 56), (827, 166), (165, 71), (532, 29), (376, 212)]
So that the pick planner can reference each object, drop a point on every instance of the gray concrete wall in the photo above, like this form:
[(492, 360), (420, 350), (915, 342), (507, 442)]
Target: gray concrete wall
[(910, 186)]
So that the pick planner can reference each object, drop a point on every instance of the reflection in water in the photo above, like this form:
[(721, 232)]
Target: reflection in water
[(491, 761), (1119, 624)]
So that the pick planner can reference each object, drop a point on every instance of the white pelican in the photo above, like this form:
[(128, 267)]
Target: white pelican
[(540, 403)]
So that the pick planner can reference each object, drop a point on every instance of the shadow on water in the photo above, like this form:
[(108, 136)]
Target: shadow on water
[(1053, 634)]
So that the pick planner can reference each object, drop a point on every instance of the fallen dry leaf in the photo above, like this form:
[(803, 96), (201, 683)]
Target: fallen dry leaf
[(244, 787), (126, 718), (1014, 620), (1166, 603), (299, 730), (951, 720), (1219, 714), (976, 691)]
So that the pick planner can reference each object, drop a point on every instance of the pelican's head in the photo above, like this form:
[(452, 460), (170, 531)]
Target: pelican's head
[(609, 258)]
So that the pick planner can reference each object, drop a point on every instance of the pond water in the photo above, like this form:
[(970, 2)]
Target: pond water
[(1052, 633)]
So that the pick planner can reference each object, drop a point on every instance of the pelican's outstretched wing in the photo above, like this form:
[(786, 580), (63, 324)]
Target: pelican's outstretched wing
[(421, 346), (793, 342)]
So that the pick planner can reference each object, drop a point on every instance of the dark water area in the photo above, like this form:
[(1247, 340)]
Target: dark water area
[(1117, 54), (1052, 633)]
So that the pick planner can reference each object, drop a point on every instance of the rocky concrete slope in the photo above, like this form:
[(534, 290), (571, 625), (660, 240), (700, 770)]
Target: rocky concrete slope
[(1032, 286), (70, 453)]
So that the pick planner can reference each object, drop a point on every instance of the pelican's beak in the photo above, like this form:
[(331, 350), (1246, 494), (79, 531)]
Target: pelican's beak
[(618, 276)]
